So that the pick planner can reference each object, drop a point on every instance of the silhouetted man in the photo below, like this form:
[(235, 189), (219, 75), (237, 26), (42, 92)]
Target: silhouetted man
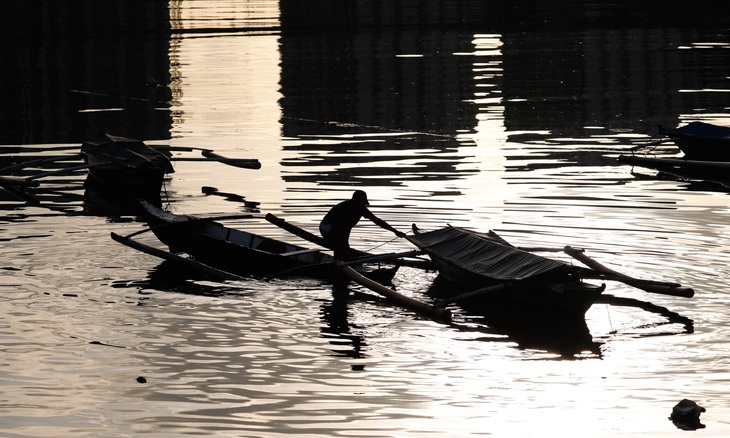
[(339, 221)]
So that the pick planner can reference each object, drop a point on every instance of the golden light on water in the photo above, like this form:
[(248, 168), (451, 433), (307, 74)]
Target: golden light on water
[(507, 119)]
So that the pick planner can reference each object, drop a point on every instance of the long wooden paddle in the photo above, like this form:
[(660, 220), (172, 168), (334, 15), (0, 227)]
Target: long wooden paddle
[(235, 162), (605, 273), (17, 181), (245, 163)]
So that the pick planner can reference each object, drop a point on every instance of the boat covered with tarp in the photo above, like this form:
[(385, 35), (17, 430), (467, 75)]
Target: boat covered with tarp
[(476, 260)]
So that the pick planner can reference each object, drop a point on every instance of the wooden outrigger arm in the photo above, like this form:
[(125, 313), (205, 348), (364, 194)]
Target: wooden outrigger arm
[(184, 261), (437, 313), (672, 289)]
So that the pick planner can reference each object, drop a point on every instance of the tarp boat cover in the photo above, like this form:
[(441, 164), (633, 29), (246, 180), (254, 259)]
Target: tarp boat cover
[(490, 257), (701, 130)]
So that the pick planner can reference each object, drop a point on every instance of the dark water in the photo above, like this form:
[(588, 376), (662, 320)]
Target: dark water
[(486, 116)]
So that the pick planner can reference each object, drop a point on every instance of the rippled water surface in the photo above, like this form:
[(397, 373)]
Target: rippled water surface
[(444, 115)]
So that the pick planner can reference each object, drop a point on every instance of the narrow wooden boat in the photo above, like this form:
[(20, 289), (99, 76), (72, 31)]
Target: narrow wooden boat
[(701, 141), (123, 162), (504, 274), (242, 252)]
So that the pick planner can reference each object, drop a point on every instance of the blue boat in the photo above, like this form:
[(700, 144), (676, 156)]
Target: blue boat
[(701, 141)]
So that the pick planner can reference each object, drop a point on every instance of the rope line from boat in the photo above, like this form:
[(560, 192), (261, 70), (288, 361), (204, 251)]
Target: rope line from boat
[(384, 243)]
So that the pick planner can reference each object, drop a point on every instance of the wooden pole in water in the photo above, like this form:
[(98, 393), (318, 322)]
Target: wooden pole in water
[(183, 261), (646, 285), (437, 313), (243, 163)]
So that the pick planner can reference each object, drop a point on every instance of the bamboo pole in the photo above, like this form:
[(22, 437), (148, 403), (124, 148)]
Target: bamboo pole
[(437, 313), (306, 235), (646, 285), (183, 261), (17, 181)]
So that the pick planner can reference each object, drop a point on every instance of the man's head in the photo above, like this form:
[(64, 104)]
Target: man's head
[(360, 197)]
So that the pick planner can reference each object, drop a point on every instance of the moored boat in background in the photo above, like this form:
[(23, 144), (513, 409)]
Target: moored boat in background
[(125, 163), (701, 141)]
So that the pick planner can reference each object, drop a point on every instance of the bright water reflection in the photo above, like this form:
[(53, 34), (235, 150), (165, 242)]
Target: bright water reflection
[(483, 125)]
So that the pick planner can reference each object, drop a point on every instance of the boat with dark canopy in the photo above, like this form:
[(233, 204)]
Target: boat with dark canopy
[(475, 260), (504, 274)]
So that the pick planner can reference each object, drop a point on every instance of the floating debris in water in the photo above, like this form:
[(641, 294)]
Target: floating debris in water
[(141, 379), (686, 415)]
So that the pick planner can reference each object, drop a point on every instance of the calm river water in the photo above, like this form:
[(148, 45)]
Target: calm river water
[(488, 117)]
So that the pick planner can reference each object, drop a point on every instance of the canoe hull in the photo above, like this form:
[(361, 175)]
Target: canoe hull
[(242, 252), (702, 141)]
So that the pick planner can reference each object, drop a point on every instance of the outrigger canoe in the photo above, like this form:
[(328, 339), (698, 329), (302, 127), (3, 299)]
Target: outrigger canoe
[(503, 274), (512, 276), (242, 252)]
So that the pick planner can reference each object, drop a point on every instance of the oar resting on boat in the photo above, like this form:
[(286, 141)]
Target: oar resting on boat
[(245, 163)]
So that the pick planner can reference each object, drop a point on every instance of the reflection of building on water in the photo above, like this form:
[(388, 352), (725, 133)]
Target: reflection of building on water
[(379, 84), (407, 66), (76, 69)]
